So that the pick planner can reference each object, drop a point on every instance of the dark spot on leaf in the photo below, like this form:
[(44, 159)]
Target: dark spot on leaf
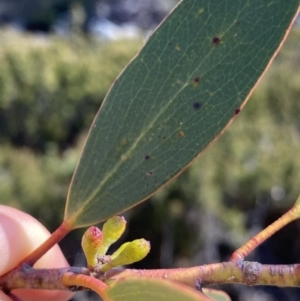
[(147, 157), (216, 41), (197, 105), (164, 138), (236, 111), (238, 23), (181, 134), (197, 80), (149, 173)]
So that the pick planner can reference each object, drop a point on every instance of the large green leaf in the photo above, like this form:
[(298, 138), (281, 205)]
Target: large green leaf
[(156, 290), (188, 82)]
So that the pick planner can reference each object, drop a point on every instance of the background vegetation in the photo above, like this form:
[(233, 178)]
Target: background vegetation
[(50, 90)]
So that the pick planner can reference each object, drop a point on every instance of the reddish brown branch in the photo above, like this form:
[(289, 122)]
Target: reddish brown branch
[(258, 239), (55, 237), (78, 280), (248, 273), (27, 277)]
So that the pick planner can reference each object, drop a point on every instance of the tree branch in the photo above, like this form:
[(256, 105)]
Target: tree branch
[(254, 242), (78, 278), (247, 272)]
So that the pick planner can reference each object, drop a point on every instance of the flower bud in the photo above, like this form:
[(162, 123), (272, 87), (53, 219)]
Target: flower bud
[(92, 240), (128, 253), (112, 231)]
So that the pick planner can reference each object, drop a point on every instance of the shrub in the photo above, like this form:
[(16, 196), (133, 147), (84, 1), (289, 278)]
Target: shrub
[(50, 88)]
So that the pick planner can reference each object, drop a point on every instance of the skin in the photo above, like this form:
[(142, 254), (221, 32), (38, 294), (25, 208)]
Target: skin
[(20, 234)]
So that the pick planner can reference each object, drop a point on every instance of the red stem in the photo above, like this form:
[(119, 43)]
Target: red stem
[(55, 237), (258, 239), (70, 279)]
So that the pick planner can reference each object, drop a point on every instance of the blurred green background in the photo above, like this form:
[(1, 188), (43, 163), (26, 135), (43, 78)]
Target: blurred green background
[(52, 86)]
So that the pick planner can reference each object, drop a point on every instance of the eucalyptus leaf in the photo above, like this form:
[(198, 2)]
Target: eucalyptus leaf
[(189, 81), (153, 289)]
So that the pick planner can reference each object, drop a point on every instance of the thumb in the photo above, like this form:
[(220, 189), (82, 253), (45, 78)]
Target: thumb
[(20, 234)]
